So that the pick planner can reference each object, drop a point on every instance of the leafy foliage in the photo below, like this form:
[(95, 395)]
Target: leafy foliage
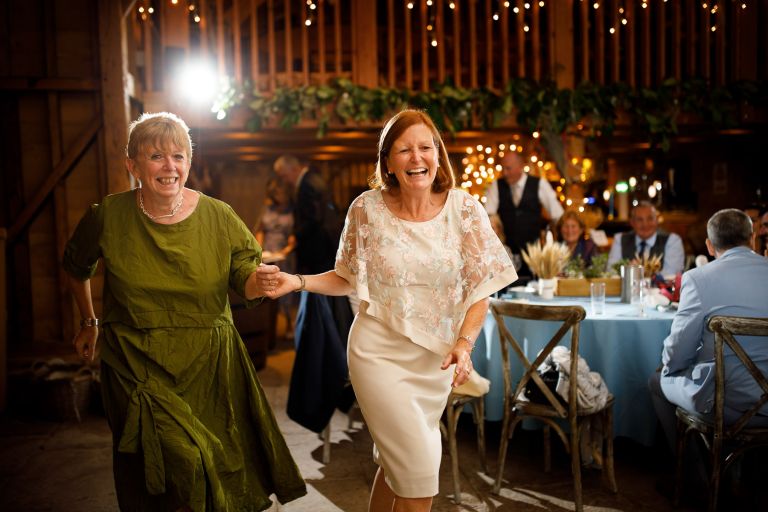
[(590, 109)]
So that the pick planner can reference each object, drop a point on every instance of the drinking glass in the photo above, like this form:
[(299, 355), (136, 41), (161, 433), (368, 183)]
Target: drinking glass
[(597, 298), (639, 291)]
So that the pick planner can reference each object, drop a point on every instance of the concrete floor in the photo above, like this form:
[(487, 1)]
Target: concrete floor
[(49, 466)]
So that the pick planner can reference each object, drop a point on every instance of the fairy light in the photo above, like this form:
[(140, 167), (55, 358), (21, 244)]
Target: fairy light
[(410, 5)]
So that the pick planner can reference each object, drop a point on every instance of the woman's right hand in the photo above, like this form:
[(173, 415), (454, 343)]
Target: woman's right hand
[(86, 341), (274, 283)]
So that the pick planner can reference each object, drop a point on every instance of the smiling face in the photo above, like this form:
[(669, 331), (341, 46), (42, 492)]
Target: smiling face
[(571, 231), (644, 221), (413, 159), (161, 171)]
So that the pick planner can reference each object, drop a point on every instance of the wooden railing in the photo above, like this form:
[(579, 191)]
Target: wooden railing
[(475, 43)]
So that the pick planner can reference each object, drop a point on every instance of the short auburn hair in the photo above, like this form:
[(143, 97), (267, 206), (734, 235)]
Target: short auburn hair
[(444, 180), (160, 129)]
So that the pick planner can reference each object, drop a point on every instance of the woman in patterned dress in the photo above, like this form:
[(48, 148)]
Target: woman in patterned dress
[(191, 427), (423, 259)]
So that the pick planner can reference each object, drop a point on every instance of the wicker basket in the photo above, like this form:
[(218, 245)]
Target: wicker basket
[(61, 390), (66, 395)]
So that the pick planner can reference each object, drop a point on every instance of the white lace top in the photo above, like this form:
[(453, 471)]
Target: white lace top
[(420, 278)]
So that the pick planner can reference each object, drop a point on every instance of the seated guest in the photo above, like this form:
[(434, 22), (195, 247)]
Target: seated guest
[(646, 239), (733, 284), (570, 229), (761, 243)]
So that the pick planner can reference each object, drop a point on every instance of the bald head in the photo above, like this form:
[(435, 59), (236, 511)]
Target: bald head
[(288, 169), (512, 167)]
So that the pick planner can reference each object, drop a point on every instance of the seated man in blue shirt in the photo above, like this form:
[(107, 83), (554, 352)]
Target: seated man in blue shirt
[(735, 283), (646, 239)]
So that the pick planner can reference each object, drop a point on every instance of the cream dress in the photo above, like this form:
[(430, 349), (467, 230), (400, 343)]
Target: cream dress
[(416, 281)]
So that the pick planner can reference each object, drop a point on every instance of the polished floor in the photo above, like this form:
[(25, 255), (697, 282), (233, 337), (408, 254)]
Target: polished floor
[(47, 466)]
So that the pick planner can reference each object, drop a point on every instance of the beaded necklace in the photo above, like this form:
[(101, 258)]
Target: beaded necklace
[(174, 210)]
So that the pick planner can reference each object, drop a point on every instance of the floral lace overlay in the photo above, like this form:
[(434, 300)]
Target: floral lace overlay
[(421, 277)]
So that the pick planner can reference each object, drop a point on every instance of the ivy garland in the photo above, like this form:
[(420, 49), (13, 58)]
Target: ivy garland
[(589, 108)]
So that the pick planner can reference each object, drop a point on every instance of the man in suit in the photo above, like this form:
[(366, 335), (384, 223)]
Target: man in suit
[(735, 283), (317, 222), (519, 199), (319, 380), (646, 239)]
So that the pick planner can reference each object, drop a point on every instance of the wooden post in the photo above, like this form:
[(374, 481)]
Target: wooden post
[(439, 28), (254, 46), (505, 47), (661, 48), (390, 42), (321, 40), (561, 37), (288, 46), (472, 43), (365, 70), (424, 49), (456, 45), (488, 44), (408, 49), (745, 45), (237, 54), (3, 324), (114, 98)]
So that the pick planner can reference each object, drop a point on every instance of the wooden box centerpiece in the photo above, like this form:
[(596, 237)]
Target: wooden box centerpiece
[(579, 286)]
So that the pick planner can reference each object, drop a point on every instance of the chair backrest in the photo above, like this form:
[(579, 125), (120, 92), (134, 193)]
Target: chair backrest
[(570, 316), (725, 328)]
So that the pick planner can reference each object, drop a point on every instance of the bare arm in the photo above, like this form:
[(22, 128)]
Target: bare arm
[(269, 281), (461, 353), (86, 339)]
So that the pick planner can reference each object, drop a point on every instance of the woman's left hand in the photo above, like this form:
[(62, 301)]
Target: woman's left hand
[(273, 283), (461, 357)]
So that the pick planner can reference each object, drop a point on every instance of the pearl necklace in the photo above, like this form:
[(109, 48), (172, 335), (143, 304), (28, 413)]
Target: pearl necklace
[(174, 210)]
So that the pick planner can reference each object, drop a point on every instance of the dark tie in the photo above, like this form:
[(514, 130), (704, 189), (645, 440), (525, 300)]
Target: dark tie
[(641, 253)]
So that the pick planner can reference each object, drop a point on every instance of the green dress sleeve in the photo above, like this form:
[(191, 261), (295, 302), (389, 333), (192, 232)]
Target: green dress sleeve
[(83, 250), (245, 256)]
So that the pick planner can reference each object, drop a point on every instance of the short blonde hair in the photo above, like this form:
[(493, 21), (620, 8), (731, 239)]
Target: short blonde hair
[(160, 129), (392, 131)]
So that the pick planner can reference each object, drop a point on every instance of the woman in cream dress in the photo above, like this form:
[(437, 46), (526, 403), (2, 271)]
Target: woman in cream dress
[(423, 259)]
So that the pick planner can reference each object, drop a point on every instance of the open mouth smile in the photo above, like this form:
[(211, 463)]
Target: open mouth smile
[(168, 181), (422, 171)]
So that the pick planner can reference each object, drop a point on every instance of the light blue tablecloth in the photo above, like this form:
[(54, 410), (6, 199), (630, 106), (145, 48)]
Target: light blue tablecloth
[(622, 346)]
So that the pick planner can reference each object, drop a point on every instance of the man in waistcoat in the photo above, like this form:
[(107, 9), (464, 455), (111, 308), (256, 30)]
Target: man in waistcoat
[(519, 199), (646, 240)]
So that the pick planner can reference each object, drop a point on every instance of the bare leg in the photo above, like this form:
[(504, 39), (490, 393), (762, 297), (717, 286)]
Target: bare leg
[(412, 504), (383, 499)]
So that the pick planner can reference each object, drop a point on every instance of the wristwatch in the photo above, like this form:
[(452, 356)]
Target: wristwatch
[(89, 322)]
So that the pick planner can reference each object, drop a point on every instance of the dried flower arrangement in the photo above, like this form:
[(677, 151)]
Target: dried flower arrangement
[(546, 261), (651, 264)]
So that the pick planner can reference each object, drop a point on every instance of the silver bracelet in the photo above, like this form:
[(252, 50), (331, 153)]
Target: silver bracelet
[(302, 281), (468, 340)]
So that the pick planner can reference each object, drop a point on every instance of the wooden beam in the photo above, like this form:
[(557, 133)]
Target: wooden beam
[(472, 43), (536, 41), (440, 29), (488, 44), (661, 38), (505, 46), (521, 39), (288, 44), (457, 44), (599, 55), (408, 50), (50, 84), (237, 53), (365, 65), (321, 40), (271, 44), (254, 45), (585, 46), (424, 48), (391, 43), (561, 35), (60, 171), (337, 29), (220, 53), (3, 324), (115, 102), (305, 51)]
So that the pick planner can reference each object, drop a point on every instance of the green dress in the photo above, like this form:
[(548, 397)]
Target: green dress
[(190, 422)]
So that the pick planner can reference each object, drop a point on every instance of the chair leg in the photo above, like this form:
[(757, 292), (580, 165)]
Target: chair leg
[(478, 408), (576, 465), (503, 445), (326, 435), (547, 439), (681, 438), (608, 472), (714, 479), (451, 412)]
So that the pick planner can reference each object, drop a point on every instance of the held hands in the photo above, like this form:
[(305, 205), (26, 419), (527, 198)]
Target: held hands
[(273, 283), (86, 341), (460, 355)]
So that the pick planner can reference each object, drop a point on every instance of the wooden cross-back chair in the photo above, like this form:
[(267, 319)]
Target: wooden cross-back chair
[(712, 429), (517, 407), (456, 403)]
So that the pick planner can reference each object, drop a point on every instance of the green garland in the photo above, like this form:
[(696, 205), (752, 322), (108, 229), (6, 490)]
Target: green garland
[(590, 109)]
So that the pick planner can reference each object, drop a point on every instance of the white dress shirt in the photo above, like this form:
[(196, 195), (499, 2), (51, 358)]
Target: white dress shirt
[(674, 254), (547, 197)]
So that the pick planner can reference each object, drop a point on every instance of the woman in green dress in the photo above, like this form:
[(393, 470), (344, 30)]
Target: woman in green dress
[(191, 426)]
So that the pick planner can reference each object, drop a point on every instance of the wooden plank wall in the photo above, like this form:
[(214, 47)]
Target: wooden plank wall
[(57, 40)]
